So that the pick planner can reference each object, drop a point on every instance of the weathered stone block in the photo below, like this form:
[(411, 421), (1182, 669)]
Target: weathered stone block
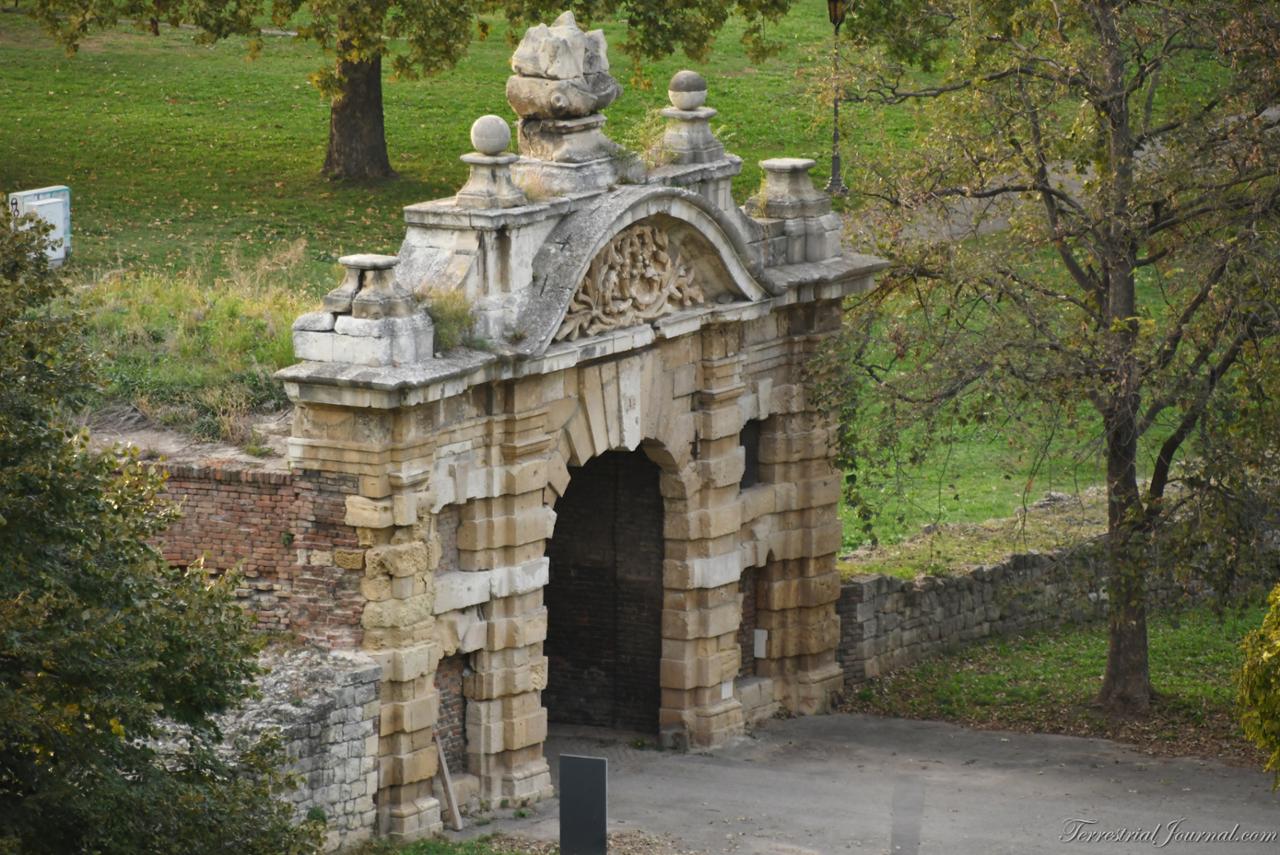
[(369, 513), (405, 559), (399, 770), (460, 590), (701, 623), (349, 559)]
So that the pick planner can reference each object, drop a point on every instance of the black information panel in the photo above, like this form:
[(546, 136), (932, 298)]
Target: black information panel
[(584, 800)]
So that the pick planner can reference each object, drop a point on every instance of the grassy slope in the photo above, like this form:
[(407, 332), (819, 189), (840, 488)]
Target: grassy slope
[(956, 546), (184, 157), (988, 474), (1046, 682)]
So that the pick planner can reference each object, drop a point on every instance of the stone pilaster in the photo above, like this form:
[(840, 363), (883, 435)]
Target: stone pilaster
[(799, 586), (701, 607)]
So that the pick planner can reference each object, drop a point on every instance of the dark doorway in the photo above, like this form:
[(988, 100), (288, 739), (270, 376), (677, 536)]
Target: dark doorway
[(604, 596)]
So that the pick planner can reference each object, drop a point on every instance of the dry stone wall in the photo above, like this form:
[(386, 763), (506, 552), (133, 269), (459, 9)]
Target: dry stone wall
[(888, 623), (324, 706)]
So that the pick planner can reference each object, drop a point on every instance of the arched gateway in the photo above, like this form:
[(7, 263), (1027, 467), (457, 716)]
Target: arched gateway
[(640, 377)]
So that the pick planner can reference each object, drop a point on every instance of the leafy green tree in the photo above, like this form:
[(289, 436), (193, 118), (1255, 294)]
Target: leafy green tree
[(1131, 146), (417, 38), (105, 650)]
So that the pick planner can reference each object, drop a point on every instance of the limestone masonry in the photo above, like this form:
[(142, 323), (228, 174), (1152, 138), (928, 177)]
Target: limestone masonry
[(621, 509)]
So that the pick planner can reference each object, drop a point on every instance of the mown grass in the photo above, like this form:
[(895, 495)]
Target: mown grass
[(984, 473), (1046, 682)]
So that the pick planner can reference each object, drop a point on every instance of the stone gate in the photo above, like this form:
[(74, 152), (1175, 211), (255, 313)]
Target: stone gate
[(613, 504)]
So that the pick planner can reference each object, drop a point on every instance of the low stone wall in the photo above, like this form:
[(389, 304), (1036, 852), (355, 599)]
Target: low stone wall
[(887, 623), (324, 705)]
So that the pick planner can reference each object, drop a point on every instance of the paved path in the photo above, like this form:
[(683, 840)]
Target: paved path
[(846, 783)]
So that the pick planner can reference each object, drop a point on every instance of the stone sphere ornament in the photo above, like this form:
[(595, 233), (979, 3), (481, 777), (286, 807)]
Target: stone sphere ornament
[(687, 90), (490, 135)]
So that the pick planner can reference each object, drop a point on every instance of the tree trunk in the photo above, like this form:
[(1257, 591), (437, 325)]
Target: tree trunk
[(1126, 685), (357, 140)]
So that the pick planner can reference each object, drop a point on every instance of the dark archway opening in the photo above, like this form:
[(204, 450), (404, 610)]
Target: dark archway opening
[(604, 596)]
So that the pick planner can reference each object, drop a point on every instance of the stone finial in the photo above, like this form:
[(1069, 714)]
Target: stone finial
[(490, 135), (788, 190), (367, 286), (687, 90), (688, 138), (490, 185), (561, 72), (560, 85)]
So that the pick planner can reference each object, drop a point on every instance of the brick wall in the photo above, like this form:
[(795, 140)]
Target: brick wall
[(280, 530), (604, 598), (451, 724)]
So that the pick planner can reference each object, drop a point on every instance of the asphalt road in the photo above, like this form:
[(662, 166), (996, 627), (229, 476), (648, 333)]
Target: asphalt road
[(847, 783)]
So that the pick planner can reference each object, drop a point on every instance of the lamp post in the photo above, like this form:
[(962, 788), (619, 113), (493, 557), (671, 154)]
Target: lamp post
[(836, 12)]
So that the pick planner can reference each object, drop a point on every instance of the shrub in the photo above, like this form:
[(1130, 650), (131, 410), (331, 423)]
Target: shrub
[(1259, 691)]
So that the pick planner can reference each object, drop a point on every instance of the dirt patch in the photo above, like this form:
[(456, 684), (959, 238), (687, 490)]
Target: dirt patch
[(1164, 733), (125, 426)]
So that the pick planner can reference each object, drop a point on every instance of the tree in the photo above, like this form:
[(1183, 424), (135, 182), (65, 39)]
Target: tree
[(106, 652), (419, 38), (1132, 146)]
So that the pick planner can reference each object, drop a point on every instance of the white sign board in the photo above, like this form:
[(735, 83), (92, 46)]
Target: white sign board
[(53, 205)]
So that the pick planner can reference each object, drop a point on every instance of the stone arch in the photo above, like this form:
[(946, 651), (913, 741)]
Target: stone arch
[(725, 252), (605, 595)]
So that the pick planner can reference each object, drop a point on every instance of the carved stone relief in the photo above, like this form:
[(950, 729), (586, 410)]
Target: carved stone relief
[(637, 278)]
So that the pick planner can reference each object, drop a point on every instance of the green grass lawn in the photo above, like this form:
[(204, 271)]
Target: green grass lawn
[(1046, 682), (176, 152), (988, 473), (956, 546)]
